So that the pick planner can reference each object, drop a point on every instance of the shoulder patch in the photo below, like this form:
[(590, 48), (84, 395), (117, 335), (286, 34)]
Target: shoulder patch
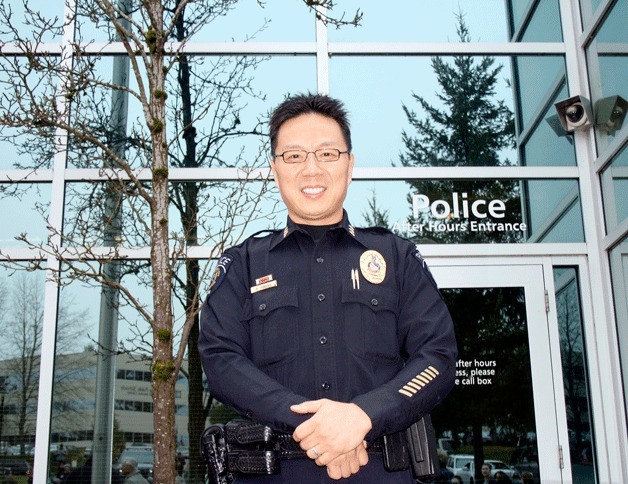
[(426, 269), (219, 273)]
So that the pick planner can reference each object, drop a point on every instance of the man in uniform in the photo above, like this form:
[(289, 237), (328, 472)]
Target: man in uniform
[(334, 334)]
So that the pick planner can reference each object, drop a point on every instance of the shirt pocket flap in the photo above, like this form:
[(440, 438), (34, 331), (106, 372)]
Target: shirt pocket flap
[(375, 297), (265, 302)]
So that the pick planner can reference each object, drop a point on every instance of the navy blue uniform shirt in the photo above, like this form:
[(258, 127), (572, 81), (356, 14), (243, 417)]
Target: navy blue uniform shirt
[(355, 317)]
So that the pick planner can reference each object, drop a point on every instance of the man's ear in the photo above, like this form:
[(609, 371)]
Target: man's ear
[(271, 163)]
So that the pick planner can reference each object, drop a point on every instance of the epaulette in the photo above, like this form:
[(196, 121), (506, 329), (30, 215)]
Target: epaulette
[(266, 231)]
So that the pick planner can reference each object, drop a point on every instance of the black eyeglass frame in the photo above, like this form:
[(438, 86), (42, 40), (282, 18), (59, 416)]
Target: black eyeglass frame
[(307, 153)]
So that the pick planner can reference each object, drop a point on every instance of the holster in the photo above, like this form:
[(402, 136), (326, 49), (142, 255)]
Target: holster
[(239, 447), (414, 447)]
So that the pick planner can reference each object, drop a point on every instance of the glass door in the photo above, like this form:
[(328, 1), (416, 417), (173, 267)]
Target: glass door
[(501, 416)]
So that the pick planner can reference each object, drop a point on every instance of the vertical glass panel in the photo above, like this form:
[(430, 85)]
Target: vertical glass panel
[(615, 190), (489, 415), (28, 89), (612, 79), (423, 22), (455, 86), (518, 9), (203, 213), (575, 375), (537, 78), (34, 20), (619, 274), (25, 208), (219, 21), (614, 27), (544, 26), (21, 324), (553, 211), (103, 370), (461, 211), (548, 144), (265, 22), (216, 118), (23, 150)]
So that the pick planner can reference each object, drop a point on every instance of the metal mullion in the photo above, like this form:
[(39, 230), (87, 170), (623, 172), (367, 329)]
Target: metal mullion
[(446, 48), (311, 48), (466, 173), (608, 413), (210, 48), (322, 54), (612, 48), (556, 366), (20, 254), (51, 292), (616, 235), (25, 176), (45, 48), (88, 175)]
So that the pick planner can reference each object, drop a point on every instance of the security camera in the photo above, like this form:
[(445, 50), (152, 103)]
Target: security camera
[(610, 113), (574, 113)]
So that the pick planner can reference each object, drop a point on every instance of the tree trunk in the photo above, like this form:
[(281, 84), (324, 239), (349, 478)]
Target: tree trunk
[(164, 374)]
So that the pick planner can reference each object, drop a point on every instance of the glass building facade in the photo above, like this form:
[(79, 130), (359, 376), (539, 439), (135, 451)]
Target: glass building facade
[(459, 146)]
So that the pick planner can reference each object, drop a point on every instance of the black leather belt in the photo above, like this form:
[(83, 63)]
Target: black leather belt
[(287, 448)]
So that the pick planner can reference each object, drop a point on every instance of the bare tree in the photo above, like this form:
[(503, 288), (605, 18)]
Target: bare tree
[(21, 347), (64, 101)]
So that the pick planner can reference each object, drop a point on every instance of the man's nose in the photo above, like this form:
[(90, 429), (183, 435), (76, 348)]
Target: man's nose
[(312, 165)]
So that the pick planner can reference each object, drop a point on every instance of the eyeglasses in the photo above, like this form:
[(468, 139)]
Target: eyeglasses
[(323, 155)]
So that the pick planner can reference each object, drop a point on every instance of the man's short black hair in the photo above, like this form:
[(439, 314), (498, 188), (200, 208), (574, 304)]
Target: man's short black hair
[(300, 104)]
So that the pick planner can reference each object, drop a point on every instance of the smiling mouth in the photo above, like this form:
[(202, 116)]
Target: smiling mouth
[(313, 191)]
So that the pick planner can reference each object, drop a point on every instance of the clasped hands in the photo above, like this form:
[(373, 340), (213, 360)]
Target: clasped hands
[(334, 435)]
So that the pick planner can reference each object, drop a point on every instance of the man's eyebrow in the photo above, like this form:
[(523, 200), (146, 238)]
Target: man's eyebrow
[(301, 147)]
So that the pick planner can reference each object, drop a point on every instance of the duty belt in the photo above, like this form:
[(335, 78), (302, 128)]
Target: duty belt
[(253, 448)]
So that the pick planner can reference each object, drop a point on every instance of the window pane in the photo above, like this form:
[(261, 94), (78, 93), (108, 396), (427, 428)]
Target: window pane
[(231, 98), (575, 375), (619, 274), (615, 190), (87, 334), (21, 320), (240, 21), (463, 211), (548, 144), (27, 94), (477, 418), (378, 119), (33, 19), (31, 202), (413, 21), (544, 26), (614, 27), (224, 212), (537, 78)]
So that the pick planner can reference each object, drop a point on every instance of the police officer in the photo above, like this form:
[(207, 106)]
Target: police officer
[(335, 334)]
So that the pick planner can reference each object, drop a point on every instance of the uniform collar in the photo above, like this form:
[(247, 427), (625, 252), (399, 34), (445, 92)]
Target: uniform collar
[(291, 227)]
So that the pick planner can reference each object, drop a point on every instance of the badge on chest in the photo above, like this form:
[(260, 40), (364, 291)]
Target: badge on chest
[(373, 266)]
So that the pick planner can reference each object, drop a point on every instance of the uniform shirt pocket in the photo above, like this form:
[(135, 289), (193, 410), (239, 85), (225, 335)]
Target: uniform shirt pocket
[(272, 316), (370, 321)]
